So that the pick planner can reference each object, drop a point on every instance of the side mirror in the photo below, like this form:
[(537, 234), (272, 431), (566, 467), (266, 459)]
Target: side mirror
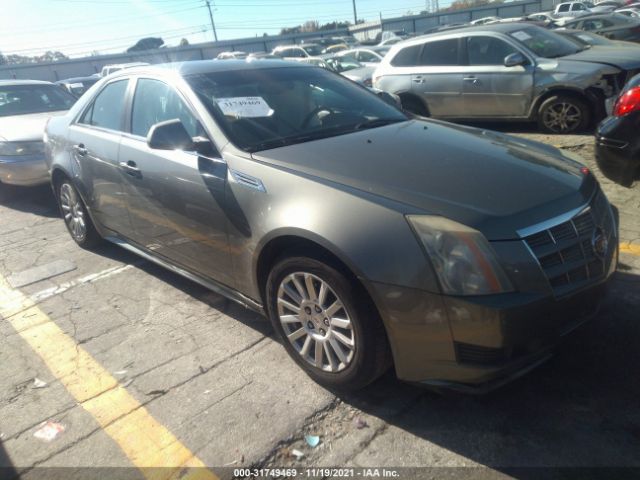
[(515, 59), (169, 135)]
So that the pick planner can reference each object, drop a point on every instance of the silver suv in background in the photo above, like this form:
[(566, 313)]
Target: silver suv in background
[(501, 71), (306, 53)]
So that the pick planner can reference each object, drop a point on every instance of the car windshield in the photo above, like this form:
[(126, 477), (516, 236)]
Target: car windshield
[(544, 43), (313, 50), (343, 64), (587, 38), (273, 107), (25, 99)]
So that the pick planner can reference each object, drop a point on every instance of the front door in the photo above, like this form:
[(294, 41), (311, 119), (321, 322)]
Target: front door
[(175, 198)]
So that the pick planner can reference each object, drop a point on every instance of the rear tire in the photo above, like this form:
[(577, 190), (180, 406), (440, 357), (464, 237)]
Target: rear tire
[(75, 215), (327, 325), (563, 114)]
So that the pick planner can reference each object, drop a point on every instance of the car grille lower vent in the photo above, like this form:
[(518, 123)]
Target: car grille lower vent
[(566, 251), (479, 355)]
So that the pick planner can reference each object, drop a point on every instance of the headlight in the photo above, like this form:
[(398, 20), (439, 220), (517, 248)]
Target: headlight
[(21, 148), (461, 256)]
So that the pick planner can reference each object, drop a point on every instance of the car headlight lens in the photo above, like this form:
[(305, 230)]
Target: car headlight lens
[(21, 148), (461, 256)]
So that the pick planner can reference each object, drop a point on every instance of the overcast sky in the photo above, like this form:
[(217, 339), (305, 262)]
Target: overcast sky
[(77, 27)]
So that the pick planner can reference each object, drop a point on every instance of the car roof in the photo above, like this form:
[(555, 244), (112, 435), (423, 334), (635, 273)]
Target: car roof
[(507, 27), (24, 82), (195, 67), (78, 79)]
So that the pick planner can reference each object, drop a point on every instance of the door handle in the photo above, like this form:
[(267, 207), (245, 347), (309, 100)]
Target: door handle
[(418, 79), (80, 149), (471, 79), (130, 168)]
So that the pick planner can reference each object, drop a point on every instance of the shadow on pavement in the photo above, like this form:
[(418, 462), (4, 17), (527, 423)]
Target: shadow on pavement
[(580, 409), (7, 470), (37, 200)]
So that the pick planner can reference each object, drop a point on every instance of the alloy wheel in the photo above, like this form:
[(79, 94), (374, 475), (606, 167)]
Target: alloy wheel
[(73, 212), (316, 322), (562, 117)]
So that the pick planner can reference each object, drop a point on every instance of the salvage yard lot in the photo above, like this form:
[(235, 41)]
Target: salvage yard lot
[(208, 380)]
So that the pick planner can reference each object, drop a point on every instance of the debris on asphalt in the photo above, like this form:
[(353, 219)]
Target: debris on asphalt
[(37, 383), (120, 372), (360, 423), (312, 440), (48, 431), (157, 392), (297, 453)]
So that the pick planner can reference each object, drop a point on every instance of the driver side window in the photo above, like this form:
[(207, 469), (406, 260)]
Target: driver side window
[(488, 50), (155, 101)]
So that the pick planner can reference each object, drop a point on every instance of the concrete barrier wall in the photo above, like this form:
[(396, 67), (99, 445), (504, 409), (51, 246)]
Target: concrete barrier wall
[(416, 23)]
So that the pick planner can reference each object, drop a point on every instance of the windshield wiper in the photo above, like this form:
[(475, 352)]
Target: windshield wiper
[(378, 122)]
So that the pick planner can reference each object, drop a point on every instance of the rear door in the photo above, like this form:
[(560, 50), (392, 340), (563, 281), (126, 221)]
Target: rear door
[(95, 143), (491, 89), (175, 198), (438, 78)]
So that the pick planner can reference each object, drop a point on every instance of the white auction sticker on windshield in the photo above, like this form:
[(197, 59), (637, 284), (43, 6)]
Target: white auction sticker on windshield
[(522, 36), (245, 107)]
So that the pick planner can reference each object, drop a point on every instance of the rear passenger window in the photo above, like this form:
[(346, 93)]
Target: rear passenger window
[(564, 8), (108, 107), (407, 57), (488, 50), (443, 52)]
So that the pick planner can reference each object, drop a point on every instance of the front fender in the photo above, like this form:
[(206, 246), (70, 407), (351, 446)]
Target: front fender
[(372, 237)]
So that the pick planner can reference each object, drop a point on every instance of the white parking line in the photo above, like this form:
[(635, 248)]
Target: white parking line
[(63, 287)]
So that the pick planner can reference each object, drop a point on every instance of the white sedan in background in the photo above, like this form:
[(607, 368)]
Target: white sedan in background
[(25, 107)]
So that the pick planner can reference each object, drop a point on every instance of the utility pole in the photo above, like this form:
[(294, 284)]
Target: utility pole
[(213, 25), (355, 15)]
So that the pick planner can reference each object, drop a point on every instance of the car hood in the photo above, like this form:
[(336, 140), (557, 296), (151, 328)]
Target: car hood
[(625, 58), (489, 181), (25, 128), (359, 74)]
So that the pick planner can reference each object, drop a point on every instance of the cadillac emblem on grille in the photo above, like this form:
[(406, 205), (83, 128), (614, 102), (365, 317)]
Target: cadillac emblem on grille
[(599, 242)]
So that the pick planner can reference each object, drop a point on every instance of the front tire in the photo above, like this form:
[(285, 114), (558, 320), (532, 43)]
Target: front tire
[(327, 325), (563, 114), (75, 216)]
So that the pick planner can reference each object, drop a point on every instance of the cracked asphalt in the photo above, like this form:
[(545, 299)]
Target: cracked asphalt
[(212, 374)]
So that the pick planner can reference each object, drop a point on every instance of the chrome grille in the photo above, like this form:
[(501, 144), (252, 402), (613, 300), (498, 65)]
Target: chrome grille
[(565, 251)]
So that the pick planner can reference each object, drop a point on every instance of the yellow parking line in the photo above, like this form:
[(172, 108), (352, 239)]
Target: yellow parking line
[(147, 443), (626, 247)]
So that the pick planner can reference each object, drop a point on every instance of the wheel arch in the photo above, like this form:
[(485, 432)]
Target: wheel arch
[(304, 242), (412, 96), (561, 90), (58, 174)]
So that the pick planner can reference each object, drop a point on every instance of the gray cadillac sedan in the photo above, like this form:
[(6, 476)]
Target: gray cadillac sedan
[(369, 238)]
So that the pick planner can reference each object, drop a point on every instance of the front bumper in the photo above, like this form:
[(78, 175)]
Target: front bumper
[(24, 170), (476, 344)]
